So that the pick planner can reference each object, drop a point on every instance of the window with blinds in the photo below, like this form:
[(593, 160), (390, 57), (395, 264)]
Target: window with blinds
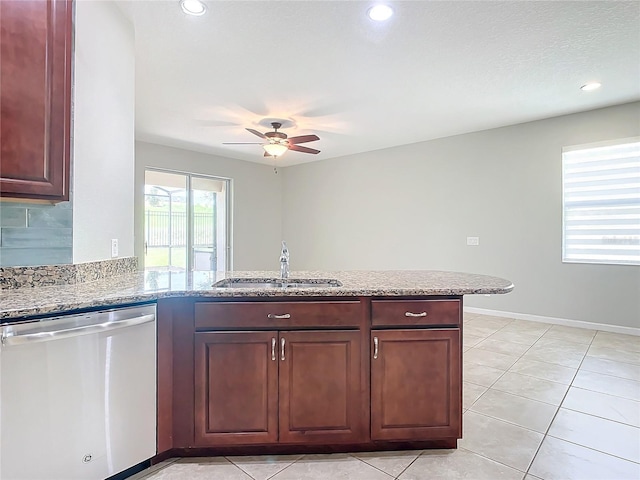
[(601, 196)]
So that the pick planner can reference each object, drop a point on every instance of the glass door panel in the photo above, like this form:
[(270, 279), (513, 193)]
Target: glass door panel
[(186, 221), (209, 220), (166, 220)]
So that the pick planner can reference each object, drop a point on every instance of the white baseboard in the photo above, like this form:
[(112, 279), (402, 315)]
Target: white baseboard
[(556, 321)]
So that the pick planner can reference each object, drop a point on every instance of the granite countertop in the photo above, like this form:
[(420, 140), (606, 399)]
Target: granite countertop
[(152, 285)]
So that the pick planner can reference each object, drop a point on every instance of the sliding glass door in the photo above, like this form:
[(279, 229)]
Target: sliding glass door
[(186, 221)]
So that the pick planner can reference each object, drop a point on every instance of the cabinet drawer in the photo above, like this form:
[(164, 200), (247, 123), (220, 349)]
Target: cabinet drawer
[(415, 312), (277, 314)]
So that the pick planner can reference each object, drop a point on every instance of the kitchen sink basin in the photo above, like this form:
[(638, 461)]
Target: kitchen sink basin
[(257, 283)]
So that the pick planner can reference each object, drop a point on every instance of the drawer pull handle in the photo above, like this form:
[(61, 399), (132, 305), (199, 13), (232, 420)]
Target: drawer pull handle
[(282, 349), (273, 315), (375, 348), (273, 348), (410, 314)]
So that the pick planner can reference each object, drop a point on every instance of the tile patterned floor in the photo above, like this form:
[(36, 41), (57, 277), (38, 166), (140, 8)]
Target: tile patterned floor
[(540, 402)]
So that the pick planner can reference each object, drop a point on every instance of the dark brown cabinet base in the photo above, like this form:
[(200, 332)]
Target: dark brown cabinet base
[(415, 384), (294, 377), (236, 388)]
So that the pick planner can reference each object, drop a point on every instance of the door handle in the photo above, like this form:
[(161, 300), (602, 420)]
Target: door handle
[(282, 342), (7, 340), (273, 348), (273, 315), (375, 348)]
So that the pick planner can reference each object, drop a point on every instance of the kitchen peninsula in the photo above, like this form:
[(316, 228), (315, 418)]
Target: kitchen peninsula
[(372, 363)]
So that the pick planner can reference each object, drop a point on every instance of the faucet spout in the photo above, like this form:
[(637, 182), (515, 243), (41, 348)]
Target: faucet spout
[(284, 261)]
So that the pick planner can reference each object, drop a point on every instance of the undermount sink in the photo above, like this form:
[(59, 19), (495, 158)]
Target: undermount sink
[(254, 283)]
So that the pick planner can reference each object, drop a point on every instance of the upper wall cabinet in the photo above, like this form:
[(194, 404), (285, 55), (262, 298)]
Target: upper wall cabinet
[(35, 98)]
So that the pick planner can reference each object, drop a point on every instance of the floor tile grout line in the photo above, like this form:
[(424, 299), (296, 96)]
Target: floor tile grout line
[(531, 346), (546, 434), (508, 422), (504, 372), (352, 454), (606, 393), (613, 376), (240, 468), (594, 449), (540, 378), (557, 407), (551, 363), (509, 393), (511, 366), (604, 418), (493, 460), (609, 374), (414, 460), (288, 466)]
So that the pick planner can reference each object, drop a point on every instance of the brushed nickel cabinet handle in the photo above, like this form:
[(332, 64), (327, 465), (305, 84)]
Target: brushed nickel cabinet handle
[(273, 348), (409, 314), (282, 349), (273, 315), (375, 348)]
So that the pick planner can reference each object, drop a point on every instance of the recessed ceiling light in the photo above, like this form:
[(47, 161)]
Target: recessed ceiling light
[(193, 7), (380, 13), (591, 86)]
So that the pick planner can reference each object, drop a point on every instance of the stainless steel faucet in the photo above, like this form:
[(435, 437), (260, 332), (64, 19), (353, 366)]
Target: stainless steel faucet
[(284, 261)]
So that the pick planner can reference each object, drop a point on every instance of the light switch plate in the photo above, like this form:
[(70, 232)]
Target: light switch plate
[(114, 247), (473, 241)]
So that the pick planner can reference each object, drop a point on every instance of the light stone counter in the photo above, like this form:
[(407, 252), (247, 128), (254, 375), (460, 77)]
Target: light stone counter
[(152, 285)]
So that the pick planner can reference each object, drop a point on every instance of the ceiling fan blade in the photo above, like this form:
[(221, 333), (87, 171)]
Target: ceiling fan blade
[(242, 143), (298, 148), (256, 132), (303, 139)]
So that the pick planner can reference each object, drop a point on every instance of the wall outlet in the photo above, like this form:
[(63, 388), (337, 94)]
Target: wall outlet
[(114, 247), (473, 241)]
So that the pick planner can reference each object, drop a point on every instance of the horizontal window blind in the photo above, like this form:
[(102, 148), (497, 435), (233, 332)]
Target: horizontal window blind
[(601, 194)]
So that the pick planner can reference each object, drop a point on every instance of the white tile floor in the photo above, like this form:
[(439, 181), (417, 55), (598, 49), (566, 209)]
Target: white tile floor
[(540, 402)]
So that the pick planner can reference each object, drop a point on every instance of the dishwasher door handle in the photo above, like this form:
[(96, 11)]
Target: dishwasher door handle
[(8, 340)]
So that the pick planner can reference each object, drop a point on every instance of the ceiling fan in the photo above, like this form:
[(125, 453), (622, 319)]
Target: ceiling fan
[(278, 143)]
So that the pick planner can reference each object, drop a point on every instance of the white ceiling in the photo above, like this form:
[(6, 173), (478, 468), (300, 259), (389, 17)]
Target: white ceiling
[(435, 69)]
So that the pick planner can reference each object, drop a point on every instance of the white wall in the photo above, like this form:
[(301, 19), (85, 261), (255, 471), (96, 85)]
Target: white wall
[(256, 201), (103, 131), (413, 206)]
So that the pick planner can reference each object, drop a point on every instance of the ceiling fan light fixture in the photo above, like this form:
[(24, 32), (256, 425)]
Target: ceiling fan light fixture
[(193, 7), (380, 12), (275, 149)]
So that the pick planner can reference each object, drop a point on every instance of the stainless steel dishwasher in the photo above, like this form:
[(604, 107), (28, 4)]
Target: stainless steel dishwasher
[(78, 395)]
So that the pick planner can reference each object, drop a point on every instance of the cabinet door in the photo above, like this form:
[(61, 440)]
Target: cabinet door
[(415, 384), (236, 388), (35, 98), (320, 387)]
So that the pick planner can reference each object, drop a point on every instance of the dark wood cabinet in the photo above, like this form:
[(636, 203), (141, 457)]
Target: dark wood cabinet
[(267, 387), (35, 98), (236, 388), (320, 377), (415, 384), (308, 375)]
